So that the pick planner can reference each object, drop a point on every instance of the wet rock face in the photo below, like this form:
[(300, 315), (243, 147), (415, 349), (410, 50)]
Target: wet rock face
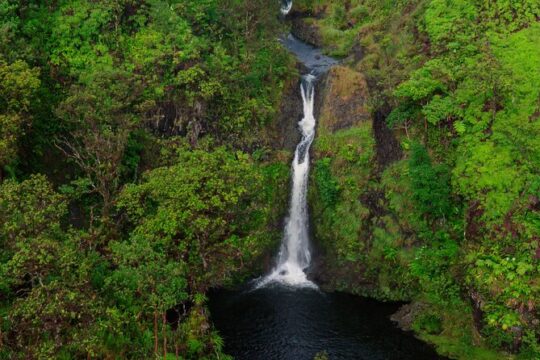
[(406, 314), (344, 99), (306, 30), (388, 148), (285, 134)]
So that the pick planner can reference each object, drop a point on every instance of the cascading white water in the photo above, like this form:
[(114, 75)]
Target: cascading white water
[(286, 6), (295, 256)]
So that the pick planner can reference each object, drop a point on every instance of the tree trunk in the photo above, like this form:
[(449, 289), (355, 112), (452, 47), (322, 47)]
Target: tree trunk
[(176, 344), (155, 332), (164, 330)]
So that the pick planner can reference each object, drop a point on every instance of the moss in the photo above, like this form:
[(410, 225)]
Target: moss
[(344, 102), (342, 170)]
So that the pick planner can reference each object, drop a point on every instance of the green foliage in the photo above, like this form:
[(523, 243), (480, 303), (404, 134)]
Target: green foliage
[(434, 267), (327, 186), (429, 323), (340, 215), (195, 224), (508, 15), (18, 82), (28, 208), (91, 94), (461, 77), (204, 211), (430, 185), (101, 116), (47, 266), (507, 288)]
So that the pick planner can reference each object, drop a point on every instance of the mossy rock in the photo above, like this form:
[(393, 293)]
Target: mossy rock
[(345, 95)]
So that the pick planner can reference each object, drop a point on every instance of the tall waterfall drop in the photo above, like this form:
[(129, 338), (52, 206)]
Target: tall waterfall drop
[(294, 255), (286, 6)]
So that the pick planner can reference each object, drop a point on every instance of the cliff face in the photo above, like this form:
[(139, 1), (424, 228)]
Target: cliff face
[(344, 96), (284, 134), (349, 211), (343, 155), (306, 30)]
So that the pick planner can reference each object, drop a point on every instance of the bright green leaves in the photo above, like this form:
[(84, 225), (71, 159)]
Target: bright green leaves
[(18, 82), (424, 83), (200, 212), (448, 24), (29, 208), (104, 72), (100, 114), (485, 87), (490, 171), (163, 44), (517, 123), (459, 219), (433, 266), (327, 186), (194, 225), (497, 170), (30, 236), (78, 39), (438, 109), (428, 89), (508, 290), (509, 15), (144, 267), (47, 265), (341, 176), (430, 185)]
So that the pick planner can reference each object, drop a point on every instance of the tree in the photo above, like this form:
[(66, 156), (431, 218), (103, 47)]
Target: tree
[(195, 223), (430, 185), (17, 84), (43, 273), (203, 211), (101, 114)]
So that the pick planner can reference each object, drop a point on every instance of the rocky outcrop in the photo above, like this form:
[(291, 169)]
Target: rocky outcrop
[(388, 148), (306, 30), (344, 99), (406, 314), (284, 134)]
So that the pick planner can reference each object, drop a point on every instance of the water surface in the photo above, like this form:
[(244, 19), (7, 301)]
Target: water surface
[(284, 323), (311, 57)]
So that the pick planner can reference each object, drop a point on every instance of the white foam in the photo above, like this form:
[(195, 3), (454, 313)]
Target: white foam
[(286, 7), (295, 256)]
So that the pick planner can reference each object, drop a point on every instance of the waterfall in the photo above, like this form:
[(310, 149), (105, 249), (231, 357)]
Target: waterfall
[(294, 256), (286, 6)]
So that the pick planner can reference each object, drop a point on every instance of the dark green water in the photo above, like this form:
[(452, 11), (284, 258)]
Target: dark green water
[(285, 323)]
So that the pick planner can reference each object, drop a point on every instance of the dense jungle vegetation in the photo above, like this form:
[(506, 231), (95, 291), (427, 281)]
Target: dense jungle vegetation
[(138, 168), (133, 174)]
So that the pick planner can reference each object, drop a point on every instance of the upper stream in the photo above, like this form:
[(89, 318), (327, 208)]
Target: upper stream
[(283, 315)]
